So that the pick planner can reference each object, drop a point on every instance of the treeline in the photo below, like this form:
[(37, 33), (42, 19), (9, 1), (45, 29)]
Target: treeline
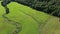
[(48, 6)]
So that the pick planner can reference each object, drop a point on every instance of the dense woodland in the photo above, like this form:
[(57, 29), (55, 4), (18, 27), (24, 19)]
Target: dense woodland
[(48, 6)]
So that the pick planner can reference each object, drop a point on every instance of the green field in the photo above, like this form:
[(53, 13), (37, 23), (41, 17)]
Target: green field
[(32, 21)]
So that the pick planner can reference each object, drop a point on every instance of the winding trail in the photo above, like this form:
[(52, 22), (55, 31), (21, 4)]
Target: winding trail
[(18, 25)]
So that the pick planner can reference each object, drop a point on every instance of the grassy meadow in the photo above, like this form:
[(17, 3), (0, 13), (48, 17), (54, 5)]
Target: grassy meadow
[(32, 21)]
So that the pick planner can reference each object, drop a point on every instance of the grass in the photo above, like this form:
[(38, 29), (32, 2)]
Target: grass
[(33, 21)]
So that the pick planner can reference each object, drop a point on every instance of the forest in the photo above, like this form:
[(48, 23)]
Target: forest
[(48, 6)]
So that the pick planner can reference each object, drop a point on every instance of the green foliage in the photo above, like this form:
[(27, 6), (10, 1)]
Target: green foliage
[(48, 6)]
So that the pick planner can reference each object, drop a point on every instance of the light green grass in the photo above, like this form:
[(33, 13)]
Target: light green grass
[(25, 15), (5, 28), (33, 21)]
